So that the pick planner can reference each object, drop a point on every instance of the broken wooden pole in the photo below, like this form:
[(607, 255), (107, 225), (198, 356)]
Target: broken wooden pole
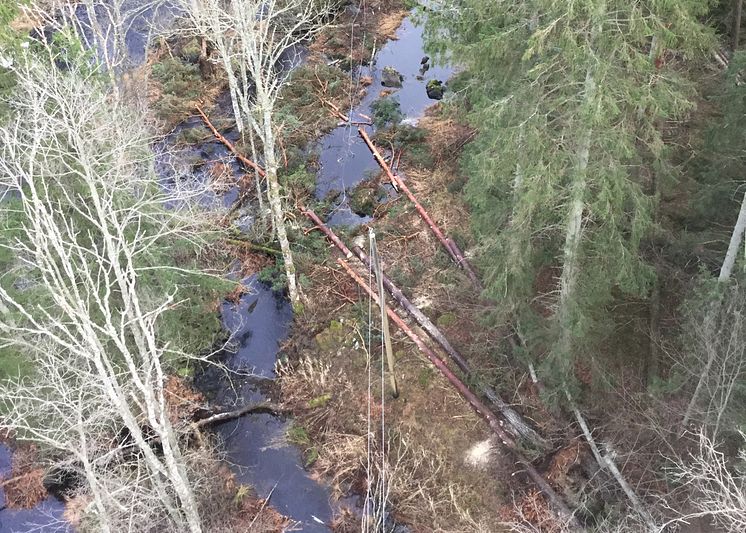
[(326, 231), (398, 183), (243, 159), (518, 426), (376, 266), (552, 497)]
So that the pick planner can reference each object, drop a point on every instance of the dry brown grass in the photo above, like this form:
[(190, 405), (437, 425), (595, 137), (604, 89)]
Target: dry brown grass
[(24, 487)]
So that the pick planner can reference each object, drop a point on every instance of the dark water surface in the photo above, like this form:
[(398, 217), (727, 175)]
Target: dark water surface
[(345, 158), (256, 445)]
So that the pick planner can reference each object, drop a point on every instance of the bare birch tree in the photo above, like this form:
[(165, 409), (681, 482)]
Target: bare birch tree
[(717, 344), (718, 487), (106, 28), (86, 220), (253, 40), (736, 241)]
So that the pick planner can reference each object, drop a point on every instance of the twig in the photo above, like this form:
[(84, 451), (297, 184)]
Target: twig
[(264, 504)]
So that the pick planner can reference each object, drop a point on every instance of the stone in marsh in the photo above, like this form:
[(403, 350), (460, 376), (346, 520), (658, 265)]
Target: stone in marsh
[(424, 68), (424, 60), (435, 89), (390, 77)]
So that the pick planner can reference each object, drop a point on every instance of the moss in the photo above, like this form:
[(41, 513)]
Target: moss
[(312, 456), (191, 50), (298, 435), (446, 319), (180, 84), (319, 401), (333, 338), (366, 198), (386, 112)]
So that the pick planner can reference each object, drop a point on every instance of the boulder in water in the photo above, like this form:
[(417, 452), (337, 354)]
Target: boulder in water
[(390, 77), (435, 89), (424, 60)]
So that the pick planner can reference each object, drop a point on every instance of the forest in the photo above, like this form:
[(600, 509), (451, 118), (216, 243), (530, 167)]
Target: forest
[(378, 266)]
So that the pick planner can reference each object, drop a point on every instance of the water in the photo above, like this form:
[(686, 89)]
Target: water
[(256, 444), (45, 517), (345, 158)]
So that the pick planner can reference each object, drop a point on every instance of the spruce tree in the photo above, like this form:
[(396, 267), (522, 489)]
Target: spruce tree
[(569, 98)]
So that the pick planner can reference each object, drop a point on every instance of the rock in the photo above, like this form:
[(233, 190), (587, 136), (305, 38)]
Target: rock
[(390, 77), (424, 68), (424, 60), (435, 89)]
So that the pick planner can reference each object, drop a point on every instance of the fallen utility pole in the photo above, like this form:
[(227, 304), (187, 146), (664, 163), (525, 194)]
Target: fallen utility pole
[(518, 426), (453, 250), (376, 267), (242, 158), (552, 497)]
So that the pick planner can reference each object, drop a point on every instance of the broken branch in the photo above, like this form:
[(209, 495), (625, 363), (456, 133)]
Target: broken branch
[(243, 159)]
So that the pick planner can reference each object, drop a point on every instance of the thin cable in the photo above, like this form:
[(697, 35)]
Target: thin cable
[(367, 509)]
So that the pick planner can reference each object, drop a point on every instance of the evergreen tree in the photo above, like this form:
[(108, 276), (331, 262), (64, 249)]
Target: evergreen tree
[(569, 97)]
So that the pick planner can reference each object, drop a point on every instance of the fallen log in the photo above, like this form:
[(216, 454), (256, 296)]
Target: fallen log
[(243, 159), (516, 422), (552, 497), (379, 159), (331, 236), (266, 408), (398, 183), (606, 462)]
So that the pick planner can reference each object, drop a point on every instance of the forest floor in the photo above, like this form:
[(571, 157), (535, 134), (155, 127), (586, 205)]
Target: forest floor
[(445, 470)]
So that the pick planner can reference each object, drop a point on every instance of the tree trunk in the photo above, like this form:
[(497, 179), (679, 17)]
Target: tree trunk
[(450, 246), (735, 243), (481, 409), (275, 202), (574, 230), (518, 426)]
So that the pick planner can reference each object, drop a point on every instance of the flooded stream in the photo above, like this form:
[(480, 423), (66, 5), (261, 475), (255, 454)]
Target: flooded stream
[(256, 445)]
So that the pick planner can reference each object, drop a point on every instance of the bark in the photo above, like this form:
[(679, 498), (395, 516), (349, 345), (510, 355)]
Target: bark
[(709, 327), (574, 230), (450, 246), (332, 237), (376, 266), (605, 461), (268, 408), (275, 201), (243, 159), (736, 240), (516, 423), (479, 407)]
